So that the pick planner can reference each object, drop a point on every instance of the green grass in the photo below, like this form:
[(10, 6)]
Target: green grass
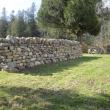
[(81, 84)]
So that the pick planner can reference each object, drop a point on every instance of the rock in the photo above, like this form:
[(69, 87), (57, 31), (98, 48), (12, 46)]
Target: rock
[(38, 63), (9, 68)]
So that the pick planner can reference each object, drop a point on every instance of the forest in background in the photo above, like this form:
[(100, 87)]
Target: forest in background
[(26, 24), (22, 24)]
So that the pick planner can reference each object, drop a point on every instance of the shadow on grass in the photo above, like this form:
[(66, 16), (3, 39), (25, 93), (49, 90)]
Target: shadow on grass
[(21, 98), (50, 69)]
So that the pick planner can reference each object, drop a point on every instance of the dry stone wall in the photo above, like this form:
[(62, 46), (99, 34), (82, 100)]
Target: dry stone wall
[(20, 53)]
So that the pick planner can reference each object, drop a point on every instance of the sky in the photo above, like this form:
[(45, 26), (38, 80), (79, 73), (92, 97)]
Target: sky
[(25, 4), (18, 4), (107, 3)]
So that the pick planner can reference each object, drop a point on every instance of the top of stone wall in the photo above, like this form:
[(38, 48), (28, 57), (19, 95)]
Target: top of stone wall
[(34, 40)]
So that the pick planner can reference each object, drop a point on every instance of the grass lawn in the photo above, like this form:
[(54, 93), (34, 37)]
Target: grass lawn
[(81, 84)]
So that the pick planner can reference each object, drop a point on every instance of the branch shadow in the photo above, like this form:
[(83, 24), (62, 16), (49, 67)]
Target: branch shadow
[(22, 98), (50, 69)]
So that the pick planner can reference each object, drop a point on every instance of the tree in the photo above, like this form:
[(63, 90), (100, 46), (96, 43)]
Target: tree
[(103, 39), (24, 23), (20, 24), (3, 24), (11, 21), (17, 24), (32, 27), (77, 16), (13, 28)]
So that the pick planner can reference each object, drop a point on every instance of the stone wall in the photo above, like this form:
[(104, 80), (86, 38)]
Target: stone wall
[(20, 53)]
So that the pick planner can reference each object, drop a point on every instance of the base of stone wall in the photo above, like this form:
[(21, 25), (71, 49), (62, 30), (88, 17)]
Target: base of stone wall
[(10, 69)]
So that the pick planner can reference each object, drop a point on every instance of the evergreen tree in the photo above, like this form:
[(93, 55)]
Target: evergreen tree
[(3, 24), (79, 16), (20, 24), (11, 21), (17, 24), (32, 27)]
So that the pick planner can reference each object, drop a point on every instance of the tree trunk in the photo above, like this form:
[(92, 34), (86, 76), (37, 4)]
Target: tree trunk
[(79, 38)]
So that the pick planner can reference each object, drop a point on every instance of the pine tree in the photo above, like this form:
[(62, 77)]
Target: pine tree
[(3, 24), (77, 16), (17, 24), (11, 21), (32, 27)]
